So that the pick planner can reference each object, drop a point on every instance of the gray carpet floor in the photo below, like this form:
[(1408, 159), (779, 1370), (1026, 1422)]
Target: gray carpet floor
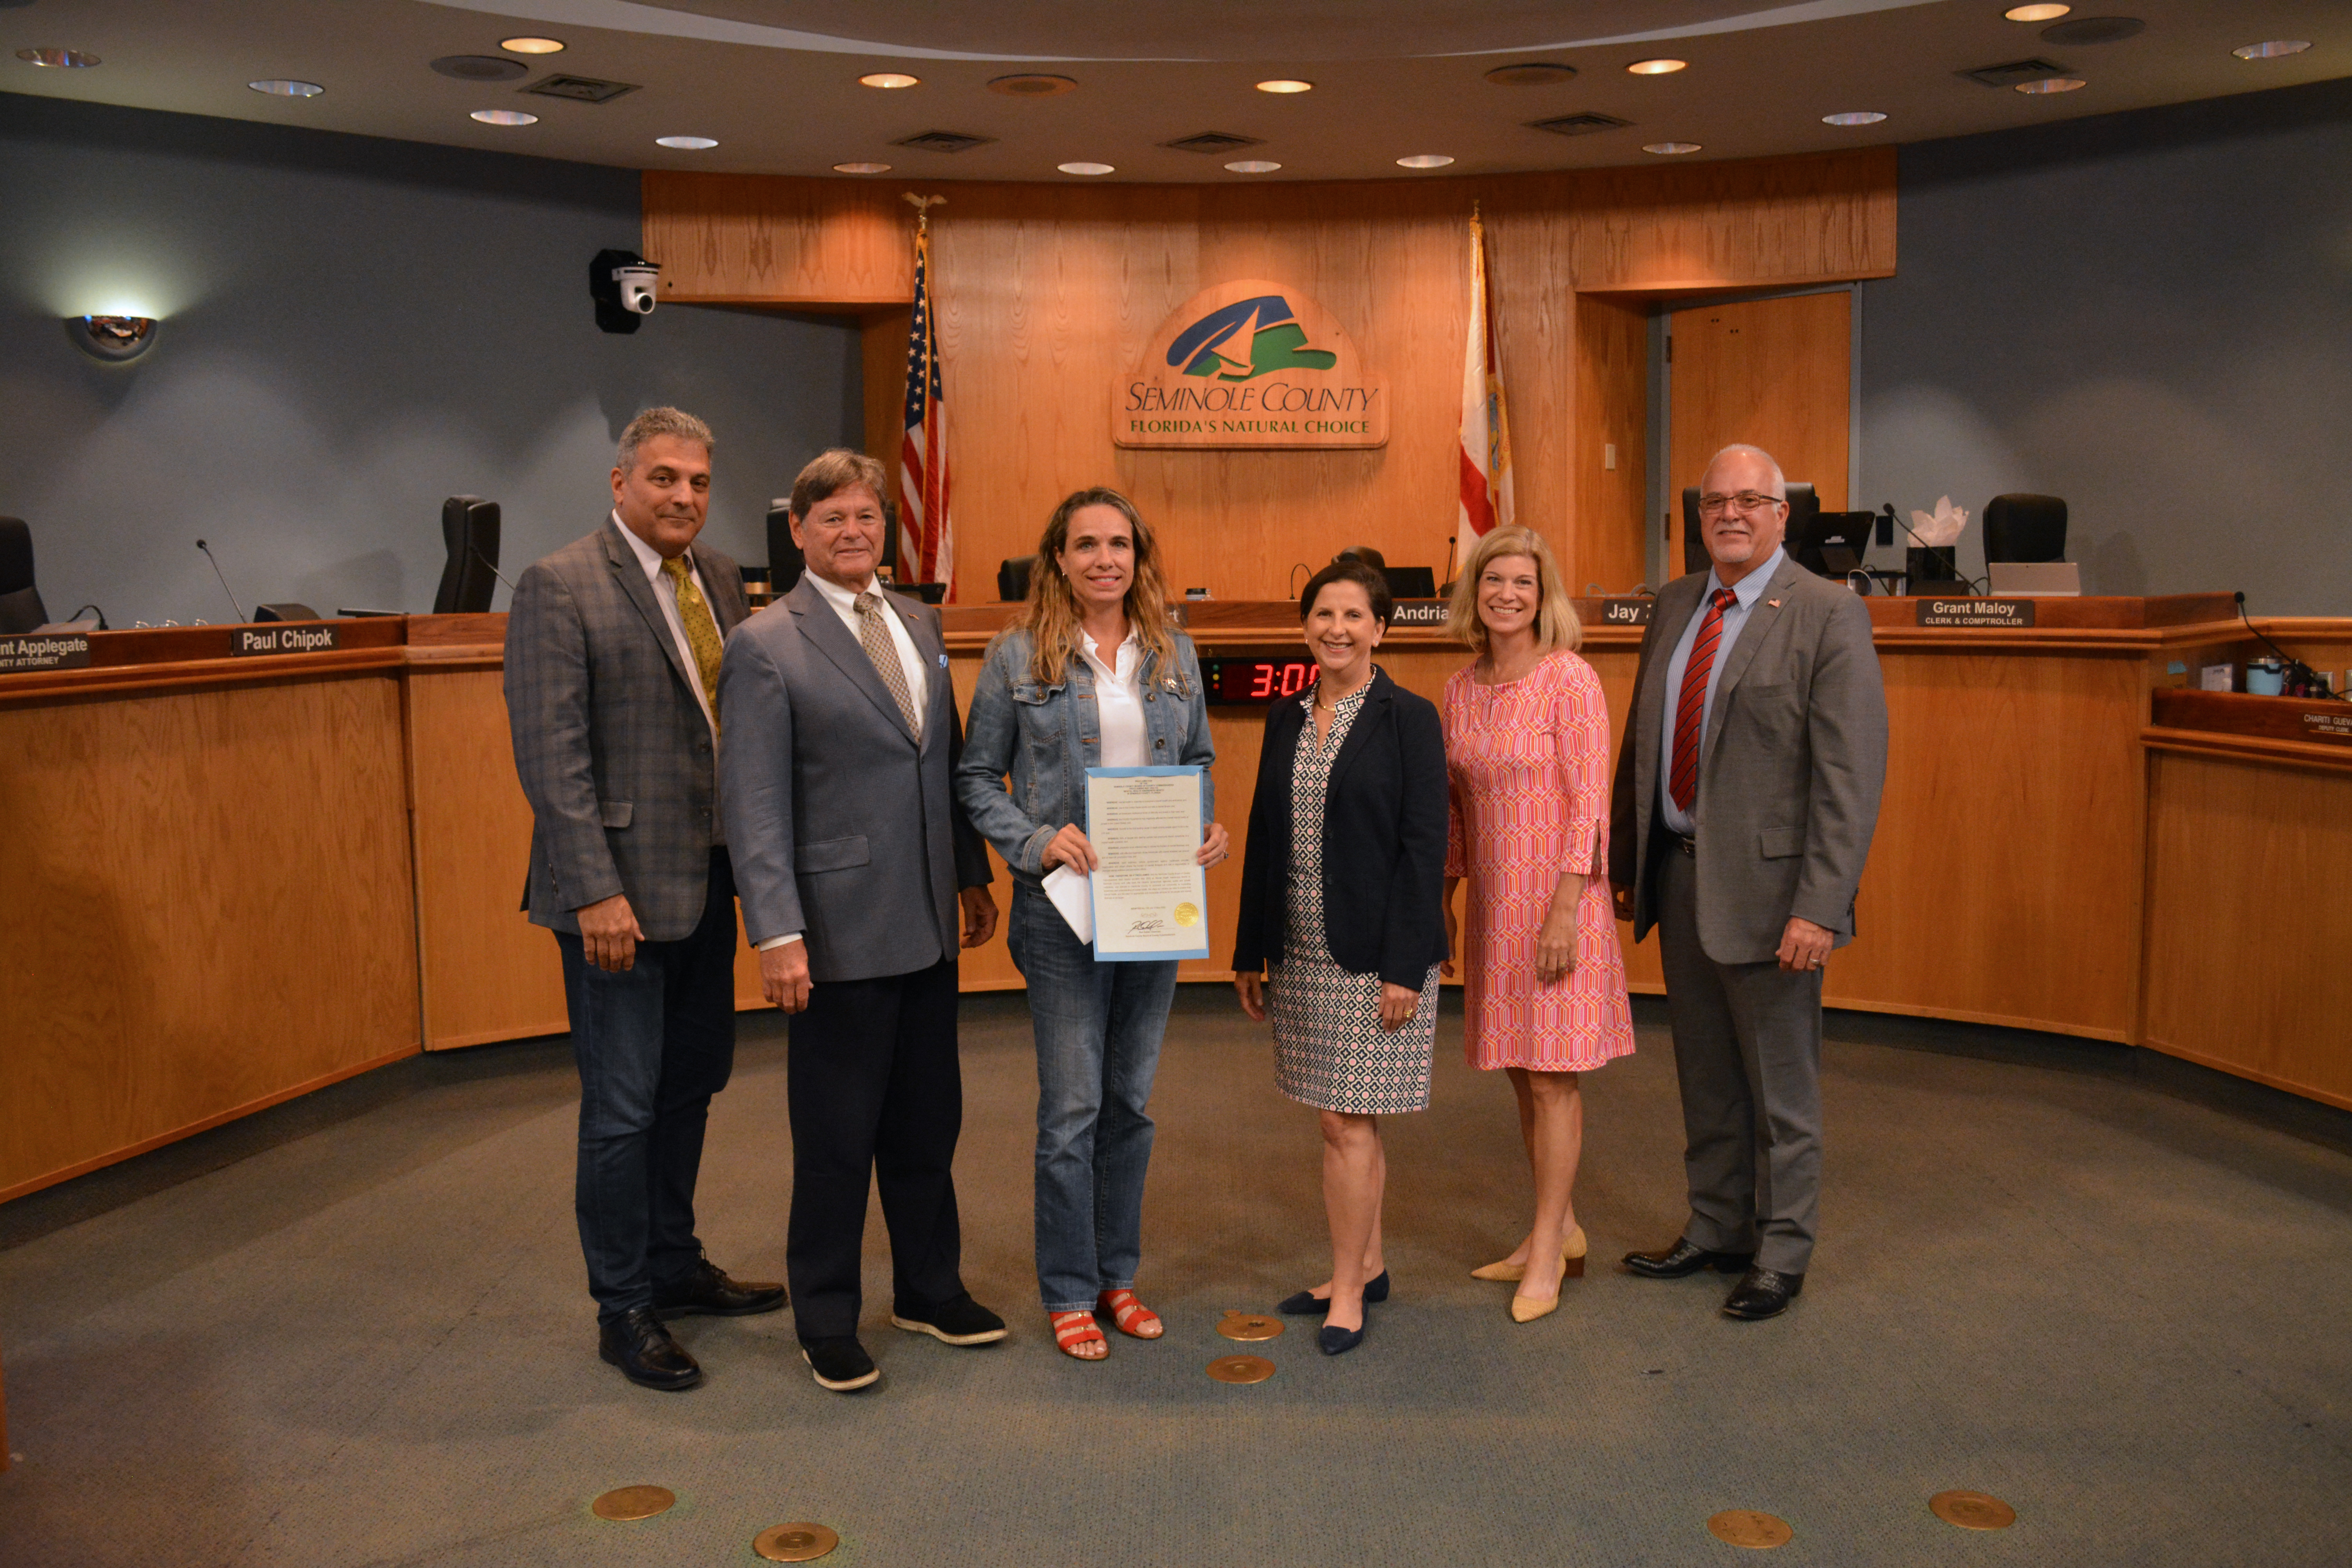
[(353, 1330)]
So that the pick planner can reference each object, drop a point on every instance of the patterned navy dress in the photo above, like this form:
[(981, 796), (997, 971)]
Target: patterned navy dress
[(1330, 1051)]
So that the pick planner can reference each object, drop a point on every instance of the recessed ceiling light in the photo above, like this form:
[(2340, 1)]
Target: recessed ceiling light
[(1670, 149), (2275, 49), (861, 168), (2052, 84), (1285, 84), (2036, 12), (481, 67), (1031, 84), (1083, 168), (66, 59), (531, 46), (888, 79), (1253, 166), (1425, 161), (1531, 73), (1853, 117), (687, 143), (281, 87), (1656, 67), (503, 117)]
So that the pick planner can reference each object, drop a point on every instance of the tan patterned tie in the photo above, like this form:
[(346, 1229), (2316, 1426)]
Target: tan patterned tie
[(701, 630), (874, 636)]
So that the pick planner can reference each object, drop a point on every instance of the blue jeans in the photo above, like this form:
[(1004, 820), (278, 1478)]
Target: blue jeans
[(1098, 1028)]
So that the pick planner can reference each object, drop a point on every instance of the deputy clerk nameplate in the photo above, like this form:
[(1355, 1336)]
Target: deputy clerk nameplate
[(1251, 363), (1150, 895), (251, 642), (44, 650)]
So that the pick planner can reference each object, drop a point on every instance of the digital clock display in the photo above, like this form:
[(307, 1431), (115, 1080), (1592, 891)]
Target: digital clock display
[(1257, 679)]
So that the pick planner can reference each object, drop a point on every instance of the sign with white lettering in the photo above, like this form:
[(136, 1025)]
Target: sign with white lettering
[(1634, 612), (2335, 726), (1418, 612), (1976, 613), (1250, 363), (248, 641), (44, 650)]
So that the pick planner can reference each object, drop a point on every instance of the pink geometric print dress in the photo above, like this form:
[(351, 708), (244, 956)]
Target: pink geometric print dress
[(1528, 768)]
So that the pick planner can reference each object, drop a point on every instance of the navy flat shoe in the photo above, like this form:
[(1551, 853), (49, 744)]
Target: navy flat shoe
[(1307, 1304), (1340, 1342)]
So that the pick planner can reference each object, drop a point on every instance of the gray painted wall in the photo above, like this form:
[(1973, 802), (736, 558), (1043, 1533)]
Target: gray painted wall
[(2147, 314), (353, 328)]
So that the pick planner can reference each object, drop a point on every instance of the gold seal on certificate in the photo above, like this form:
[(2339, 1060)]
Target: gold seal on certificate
[(1148, 893)]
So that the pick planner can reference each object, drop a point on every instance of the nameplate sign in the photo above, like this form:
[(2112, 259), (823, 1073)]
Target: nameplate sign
[(2329, 726), (1418, 612), (1976, 613), (1634, 612), (1250, 363), (248, 641), (44, 650)]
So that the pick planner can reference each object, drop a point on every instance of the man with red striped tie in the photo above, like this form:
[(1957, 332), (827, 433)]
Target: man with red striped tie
[(1739, 821)]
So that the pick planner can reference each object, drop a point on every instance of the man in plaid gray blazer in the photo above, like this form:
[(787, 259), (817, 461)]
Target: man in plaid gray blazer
[(611, 686)]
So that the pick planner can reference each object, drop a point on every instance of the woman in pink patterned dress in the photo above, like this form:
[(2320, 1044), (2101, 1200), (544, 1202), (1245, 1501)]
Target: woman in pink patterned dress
[(1526, 752)]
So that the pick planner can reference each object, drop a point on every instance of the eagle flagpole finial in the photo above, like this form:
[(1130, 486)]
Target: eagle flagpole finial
[(922, 206)]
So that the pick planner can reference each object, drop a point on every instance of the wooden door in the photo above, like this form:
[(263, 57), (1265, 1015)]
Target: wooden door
[(1776, 373)]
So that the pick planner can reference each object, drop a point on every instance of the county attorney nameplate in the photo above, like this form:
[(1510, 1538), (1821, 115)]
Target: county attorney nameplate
[(44, 650)]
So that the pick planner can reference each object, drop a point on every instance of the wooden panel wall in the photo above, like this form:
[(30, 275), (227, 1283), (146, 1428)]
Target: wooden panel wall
[(1612, 383), (1047, 293), (1776, 373)]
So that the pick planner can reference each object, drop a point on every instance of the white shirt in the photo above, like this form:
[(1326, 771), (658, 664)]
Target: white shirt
[(667, 594), (1118, 701), (1748, 589)]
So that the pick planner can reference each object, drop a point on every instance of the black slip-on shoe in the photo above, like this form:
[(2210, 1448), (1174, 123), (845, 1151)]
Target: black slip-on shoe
[(962, 1321), (710, 1291), (1308, 1304), (840, 1364), (1762, 1293), (637, 1343), (1684, 1258), (1340, 1342)]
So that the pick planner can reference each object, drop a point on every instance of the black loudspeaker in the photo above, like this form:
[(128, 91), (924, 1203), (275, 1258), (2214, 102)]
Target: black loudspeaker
[(785, 564), (20, 602), (1410, 582), (287, 610), (1803, 505), (469, 532), (1013, 578), (2025, 527)]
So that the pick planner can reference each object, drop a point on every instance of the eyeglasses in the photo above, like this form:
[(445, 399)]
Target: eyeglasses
[(1745, 502)]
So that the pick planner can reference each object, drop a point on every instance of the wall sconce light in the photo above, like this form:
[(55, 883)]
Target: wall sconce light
[(114, 338)]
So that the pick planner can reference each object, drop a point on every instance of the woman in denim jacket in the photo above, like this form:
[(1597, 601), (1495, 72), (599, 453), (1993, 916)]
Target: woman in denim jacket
[(1090, 674)]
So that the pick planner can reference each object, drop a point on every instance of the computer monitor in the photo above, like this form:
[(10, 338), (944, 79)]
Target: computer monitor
[(1410, 582), (1832, 543), (1802, 504)]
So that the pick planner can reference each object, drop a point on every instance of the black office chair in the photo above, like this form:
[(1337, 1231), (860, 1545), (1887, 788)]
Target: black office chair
[(2024, 528), (469, 573), (1013, 578), (1803, 506), (785, 564), (20, 603)]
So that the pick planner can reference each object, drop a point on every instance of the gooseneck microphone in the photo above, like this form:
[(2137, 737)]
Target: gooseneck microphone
[(224, 580), (491, 565)]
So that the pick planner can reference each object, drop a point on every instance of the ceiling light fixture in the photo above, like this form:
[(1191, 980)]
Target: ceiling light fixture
[(1656, 67), (1253, 166), (2052, 84), (64, 60), (1031, 84), (1425, 161), (687, 143), (503, 117), (114, 338), (2277, 49), (1853, 117), (861, 168), (1531, 73), (531, 46), (481, 67), (889, 79), (2036, 12), (281, 87), (1285, 84), (1083, 168), (1670, 149)]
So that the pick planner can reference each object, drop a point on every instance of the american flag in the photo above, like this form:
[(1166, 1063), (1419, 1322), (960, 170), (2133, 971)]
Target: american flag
[(925, 540)]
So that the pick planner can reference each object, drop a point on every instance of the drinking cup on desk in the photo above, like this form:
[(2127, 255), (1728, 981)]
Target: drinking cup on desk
[(2265, 677)]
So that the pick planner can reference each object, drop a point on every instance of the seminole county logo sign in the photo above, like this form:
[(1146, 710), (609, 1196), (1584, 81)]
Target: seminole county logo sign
[(1251, 363)]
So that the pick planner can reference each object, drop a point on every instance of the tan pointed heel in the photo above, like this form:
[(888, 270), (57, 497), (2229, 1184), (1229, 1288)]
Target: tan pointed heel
[(1571, 1253), (1514, 1272), (1526, 1310)]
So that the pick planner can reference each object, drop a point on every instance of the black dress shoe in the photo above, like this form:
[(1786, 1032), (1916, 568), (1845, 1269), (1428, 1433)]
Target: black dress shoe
[(962, 1321), (840, 1364), (1308, 1304), (636, 1342), (1340, 1342), (708, 1291), (1762, 1293), (1684, 1258)]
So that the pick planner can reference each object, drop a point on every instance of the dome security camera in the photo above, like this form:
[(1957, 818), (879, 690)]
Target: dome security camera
[(621, 284), (636, 284)]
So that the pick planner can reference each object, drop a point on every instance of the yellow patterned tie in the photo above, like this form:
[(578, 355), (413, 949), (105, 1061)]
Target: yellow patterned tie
[(874, 636), (701, 630)]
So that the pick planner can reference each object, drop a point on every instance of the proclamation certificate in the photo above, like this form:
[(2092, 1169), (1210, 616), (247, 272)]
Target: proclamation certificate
[(1150, 897)]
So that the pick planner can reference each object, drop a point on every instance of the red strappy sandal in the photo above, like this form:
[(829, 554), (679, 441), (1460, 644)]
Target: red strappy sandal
[(1073, 1329), (1134, 1319)]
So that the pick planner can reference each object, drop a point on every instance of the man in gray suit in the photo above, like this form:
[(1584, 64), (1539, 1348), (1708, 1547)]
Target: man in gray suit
[(854, 858), (1745, 794), (611, 677)]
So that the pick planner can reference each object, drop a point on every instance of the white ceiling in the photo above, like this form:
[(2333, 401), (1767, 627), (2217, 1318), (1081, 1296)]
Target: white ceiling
[(774, 81)]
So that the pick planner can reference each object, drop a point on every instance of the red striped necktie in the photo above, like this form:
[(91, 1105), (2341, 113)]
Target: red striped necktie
[(1682, 783)]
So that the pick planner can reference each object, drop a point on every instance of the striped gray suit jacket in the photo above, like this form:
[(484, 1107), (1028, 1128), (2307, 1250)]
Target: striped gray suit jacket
[(612, 748)]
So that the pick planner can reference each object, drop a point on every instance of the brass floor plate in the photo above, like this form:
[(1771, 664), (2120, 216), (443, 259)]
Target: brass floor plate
[(1240, 1369), (1249, 1326), (1972, 1511), (794, 1542), (1745, 1527), (634, 1502)]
